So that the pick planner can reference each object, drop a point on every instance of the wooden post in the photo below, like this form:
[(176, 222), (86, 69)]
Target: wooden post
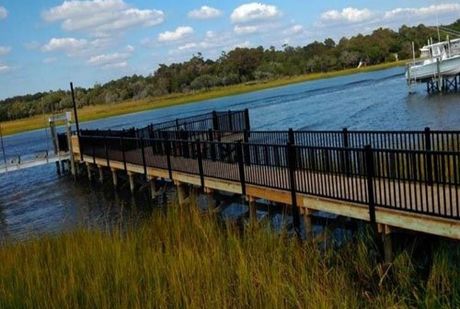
[(131, 182), (69, 142), (153, 191), (308, 225), (387, 244), (252, 208), (88, 170), (114, 177), (101, 174), (180, 193), (210, 198)]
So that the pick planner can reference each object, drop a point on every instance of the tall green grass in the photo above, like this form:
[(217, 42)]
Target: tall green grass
[(186, 258)]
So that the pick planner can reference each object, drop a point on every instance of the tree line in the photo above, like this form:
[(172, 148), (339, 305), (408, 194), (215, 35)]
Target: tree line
[(239, 65)]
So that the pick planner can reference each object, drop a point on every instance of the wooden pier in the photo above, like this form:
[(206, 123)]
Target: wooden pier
[(406, 180), (45, 160), (307, 203), (444, 84)]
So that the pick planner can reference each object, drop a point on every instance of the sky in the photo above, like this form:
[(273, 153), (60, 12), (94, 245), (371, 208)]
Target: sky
[(48, 43)]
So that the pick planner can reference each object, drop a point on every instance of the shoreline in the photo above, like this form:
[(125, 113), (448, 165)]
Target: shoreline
[(101, 111)]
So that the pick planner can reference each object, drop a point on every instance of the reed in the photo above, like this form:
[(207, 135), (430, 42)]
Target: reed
[(186, 258)]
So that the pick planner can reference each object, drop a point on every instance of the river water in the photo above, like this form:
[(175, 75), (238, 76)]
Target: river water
[(37, 200)]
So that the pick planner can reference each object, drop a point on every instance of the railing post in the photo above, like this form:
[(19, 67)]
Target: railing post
[(247, 153), (212, 145), (292, 185), (369, 159), (429, 164), (106, 151), (200, 162), (291, 140), (247, 124), (168, 157), (93, 152), (122, 146), (346, 156), (80, 146), (230, 121), (215, 121), (239, 151), (144, 163)]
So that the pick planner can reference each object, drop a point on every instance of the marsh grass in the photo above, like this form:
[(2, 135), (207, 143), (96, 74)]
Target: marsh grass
[(95, 112), (186, 258)]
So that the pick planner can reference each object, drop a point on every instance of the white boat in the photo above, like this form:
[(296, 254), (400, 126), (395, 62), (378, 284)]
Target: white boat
[(438, 60)]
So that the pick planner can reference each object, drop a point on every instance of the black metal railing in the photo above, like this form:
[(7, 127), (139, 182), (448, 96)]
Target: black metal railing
[(194, 127), (415, 180)]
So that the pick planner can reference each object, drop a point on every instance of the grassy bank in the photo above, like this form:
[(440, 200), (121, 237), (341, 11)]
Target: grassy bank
[(108, 110), (184, 258)]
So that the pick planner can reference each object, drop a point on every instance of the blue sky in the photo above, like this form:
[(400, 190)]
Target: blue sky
[(45, 44)]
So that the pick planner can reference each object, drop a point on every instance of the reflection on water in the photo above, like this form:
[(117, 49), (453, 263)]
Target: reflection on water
[(38, 201)]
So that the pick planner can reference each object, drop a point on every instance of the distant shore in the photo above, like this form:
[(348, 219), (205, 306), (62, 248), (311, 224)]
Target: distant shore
[(108, 110)]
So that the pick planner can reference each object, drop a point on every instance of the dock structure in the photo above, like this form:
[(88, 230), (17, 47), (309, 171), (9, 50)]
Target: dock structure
[(395, 180), (443, 84), (46, 158)]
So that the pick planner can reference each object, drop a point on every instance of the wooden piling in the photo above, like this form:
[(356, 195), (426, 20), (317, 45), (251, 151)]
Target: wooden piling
[(252, 208), (307, 223), (101, 174), (131, 182), (153, 190), (387, 244), (88, 170), (180, 193), (114, 177)]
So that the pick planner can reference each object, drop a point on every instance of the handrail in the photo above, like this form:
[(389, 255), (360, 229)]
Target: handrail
[(407, 180)]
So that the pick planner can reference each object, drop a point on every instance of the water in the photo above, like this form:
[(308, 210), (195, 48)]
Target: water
[(37, 201)]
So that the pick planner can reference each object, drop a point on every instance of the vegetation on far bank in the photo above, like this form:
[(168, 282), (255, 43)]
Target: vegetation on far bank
[(237, 66), (99, 111), (186, 258)]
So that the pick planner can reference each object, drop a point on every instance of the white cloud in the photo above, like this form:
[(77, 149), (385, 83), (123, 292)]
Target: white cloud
[(294, 30), (4, 50), (3, 13), (179, 34), (101, 17), (254, 11), (246, 29), (49, 60), (432, 10), (64, 44), (347, 15), (187, 46), (244, 44), (4, 68), (114, 60), (205, 12), (33, 45)]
